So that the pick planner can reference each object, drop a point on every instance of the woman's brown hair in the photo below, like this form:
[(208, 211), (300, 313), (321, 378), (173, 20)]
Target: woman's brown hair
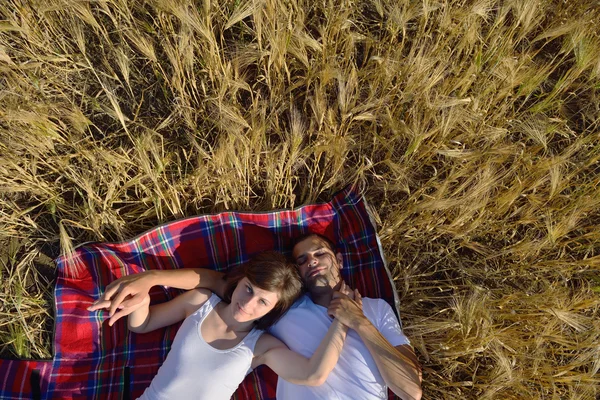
[(272, 271)]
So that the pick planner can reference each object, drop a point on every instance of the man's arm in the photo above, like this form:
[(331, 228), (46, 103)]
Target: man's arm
[(127, 292), (397, 365)]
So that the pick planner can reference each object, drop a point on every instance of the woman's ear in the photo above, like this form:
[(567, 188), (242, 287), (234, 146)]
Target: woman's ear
[(339, 258)]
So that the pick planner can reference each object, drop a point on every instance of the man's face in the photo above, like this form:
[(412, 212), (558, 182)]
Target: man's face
[(319, 267)]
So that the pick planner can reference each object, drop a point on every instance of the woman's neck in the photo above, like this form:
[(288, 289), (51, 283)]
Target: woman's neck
[(225, 312)]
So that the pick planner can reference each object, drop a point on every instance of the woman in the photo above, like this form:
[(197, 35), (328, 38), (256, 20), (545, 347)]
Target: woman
[(219, 342)]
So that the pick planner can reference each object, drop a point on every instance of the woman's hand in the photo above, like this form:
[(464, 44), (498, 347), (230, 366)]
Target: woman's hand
[(129, 291), (126, 295)]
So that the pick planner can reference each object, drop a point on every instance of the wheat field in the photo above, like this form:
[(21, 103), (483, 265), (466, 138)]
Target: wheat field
[(473, 126)]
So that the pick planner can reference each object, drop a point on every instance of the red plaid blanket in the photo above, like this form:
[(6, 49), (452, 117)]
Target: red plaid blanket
[(95, 361)]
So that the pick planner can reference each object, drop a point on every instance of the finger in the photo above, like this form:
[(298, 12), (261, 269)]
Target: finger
[(357, 297), (110, 290), (339, 295), (98, 305), (348, 290), (120, 314), (332, 311), (101, 298), (335, 303), (134, 301), (118, 300)]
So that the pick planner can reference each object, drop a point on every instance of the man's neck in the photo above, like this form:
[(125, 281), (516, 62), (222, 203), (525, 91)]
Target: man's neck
[(323, 295)]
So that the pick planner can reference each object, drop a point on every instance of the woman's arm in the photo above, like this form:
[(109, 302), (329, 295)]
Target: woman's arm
[(295, 368), (127, 293), (146, 318)]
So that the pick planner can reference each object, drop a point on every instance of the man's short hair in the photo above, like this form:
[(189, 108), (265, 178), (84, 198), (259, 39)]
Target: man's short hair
[(305, 236)]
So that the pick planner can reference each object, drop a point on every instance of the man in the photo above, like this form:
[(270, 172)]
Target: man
[(376, 354)]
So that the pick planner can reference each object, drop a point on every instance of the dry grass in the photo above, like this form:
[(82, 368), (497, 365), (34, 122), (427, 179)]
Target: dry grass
[(474, 125)]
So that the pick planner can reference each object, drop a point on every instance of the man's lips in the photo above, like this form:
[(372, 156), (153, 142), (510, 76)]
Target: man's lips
[(314, 272)]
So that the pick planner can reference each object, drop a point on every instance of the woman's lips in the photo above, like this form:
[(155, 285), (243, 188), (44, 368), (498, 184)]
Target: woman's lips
[(240, 309)]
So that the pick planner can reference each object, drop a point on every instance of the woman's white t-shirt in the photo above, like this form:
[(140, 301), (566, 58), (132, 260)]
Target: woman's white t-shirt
[(194, 369)]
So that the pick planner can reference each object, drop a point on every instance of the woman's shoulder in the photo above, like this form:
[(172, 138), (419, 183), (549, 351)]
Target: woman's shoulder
[(196, 298), (198, 295)]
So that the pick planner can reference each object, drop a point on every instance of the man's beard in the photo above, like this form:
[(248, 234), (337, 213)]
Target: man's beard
[(323, 283)]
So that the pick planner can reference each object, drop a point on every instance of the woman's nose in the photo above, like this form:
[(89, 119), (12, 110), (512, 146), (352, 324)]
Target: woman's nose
[(250, 302)]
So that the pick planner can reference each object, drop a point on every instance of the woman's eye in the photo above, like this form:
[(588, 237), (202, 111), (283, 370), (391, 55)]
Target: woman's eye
[(248, 289), (264, 303)]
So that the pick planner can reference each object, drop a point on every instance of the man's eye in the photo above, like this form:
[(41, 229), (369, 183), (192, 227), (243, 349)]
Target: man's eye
[(264, 303)]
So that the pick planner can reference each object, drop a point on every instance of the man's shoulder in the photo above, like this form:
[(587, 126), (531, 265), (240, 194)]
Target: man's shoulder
[(376, 308), (302, 309), (374, 303), (302, 302)]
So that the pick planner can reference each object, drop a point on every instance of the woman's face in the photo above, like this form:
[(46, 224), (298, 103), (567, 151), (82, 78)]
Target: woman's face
[(250, 303)]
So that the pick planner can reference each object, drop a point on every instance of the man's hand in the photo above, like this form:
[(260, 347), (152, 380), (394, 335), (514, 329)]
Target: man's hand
[(346, 306), (125, 294), (344, 289)]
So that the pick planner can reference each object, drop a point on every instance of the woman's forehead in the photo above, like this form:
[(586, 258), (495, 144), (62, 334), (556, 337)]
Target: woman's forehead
[(266, 294)]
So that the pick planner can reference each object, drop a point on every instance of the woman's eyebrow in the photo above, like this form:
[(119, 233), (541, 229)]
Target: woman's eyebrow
[(265, 300)]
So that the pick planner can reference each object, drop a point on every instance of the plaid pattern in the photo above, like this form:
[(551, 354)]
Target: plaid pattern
[(24, 379), (95, 361)]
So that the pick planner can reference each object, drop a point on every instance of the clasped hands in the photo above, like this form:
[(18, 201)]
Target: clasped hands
[(346, 307), (126, 295)]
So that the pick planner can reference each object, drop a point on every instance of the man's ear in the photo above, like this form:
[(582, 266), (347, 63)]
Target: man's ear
[(339, 258)]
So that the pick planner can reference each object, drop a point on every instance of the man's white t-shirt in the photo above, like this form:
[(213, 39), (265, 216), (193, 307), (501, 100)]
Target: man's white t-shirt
[(356, 375)]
